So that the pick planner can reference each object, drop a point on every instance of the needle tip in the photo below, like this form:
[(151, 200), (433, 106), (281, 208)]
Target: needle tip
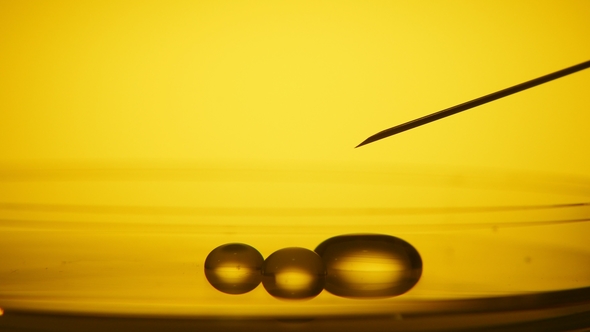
[(373, 138), (362, 143)]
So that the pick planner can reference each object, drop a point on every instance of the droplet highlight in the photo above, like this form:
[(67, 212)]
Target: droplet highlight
[(293, 273), (369, 265), (234, 268)]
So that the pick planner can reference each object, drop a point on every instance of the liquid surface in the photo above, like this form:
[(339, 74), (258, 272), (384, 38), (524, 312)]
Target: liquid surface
[(293, 273), (234, 268), (365, 266)]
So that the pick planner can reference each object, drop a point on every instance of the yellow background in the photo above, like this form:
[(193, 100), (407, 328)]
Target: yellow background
[(122, 122)]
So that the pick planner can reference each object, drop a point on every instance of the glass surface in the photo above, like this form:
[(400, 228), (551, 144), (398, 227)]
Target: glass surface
[(97, 250), (137, 137)]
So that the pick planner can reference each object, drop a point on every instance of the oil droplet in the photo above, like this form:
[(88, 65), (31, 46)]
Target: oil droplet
[(293, 273), (369, 266), (234, 268)]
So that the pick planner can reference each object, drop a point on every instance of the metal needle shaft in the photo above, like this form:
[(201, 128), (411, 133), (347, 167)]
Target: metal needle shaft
[(474, 103)]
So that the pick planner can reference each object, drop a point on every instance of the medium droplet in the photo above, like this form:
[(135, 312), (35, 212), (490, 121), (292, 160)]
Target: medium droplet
[(365, 266), (234, 268), (293, 273)]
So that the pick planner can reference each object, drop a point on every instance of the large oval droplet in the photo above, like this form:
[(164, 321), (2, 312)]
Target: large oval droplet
[(369, 266), (293, 273), (234, 268)]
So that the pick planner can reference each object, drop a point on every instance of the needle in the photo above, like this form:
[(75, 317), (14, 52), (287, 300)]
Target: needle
[(474, 103)]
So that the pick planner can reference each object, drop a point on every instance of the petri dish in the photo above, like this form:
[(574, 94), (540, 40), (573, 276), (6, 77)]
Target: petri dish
[(117, 247)]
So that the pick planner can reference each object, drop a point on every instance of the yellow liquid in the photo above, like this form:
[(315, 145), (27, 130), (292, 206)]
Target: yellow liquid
[(97, 249), (136, 137)]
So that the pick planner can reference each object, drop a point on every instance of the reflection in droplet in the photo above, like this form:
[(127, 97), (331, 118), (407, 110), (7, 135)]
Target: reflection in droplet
[(365, 266), (234, 268), (293, 273)]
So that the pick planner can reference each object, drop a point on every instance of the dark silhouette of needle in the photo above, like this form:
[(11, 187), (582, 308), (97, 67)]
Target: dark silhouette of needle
[(474, 103)]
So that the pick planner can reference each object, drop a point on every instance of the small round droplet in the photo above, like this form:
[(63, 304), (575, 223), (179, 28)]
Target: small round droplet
[(369, 266), (293, 273), (234, 268)]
